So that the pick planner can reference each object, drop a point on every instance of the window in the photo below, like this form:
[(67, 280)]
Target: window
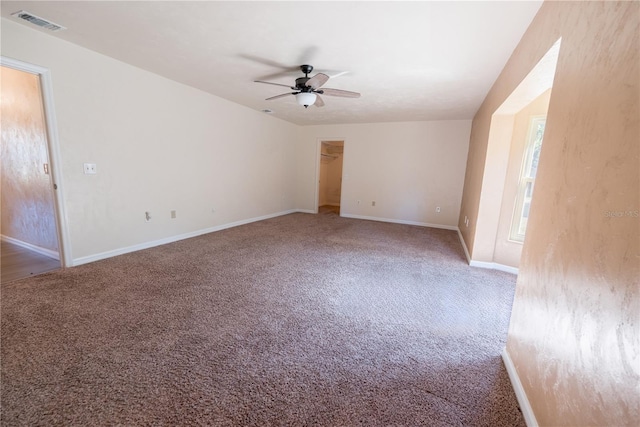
[(527, 179)]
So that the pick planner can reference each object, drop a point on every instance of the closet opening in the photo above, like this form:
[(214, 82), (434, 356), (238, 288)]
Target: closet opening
[(330, 177)]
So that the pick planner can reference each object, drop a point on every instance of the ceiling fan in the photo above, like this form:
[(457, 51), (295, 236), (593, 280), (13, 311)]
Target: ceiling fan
[(307, 89)]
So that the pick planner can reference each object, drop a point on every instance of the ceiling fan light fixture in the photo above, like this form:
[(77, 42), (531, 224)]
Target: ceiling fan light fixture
[(306, 98)]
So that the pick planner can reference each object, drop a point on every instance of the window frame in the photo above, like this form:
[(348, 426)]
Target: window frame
[(517, 230)]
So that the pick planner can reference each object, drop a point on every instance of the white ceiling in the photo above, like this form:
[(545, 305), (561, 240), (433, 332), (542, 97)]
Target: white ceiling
[(411, 61)]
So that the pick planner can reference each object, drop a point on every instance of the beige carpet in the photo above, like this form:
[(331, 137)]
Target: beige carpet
[(300, 320)]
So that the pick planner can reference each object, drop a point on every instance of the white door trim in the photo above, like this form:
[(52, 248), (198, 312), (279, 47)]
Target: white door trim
[(53, 145), (317, 160)]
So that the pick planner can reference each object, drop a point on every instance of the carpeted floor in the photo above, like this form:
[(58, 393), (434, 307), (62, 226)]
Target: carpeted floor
[(300, 320)]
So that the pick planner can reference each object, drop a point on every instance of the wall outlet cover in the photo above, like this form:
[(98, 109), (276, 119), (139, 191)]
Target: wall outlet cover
[(90, 169)]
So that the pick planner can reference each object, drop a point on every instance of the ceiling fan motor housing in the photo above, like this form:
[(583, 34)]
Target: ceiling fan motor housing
[(301, 84)]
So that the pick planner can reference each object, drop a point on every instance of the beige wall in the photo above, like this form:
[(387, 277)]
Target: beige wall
[(493, 182), (575, 327), (334, 181), (28, 213), (322, 190), (158, 145), (408, 169), (507, 252)]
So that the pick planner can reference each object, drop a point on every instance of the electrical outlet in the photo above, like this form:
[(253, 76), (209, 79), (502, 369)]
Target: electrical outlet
[(438, 209), (173, 214), (90, 169)]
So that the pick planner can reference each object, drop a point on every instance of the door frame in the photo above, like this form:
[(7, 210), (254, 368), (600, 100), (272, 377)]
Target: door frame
[(319, 142), (53, 152)]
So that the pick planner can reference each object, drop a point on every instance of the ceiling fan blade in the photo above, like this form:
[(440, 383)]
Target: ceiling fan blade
[(280, 96), (317, 80), (275, 84), (290, 73), (340, 92), (266, 61), (319, 102), (334, 73)]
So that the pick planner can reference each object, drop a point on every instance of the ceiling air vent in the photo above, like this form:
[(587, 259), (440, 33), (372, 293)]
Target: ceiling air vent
[(36, 20)]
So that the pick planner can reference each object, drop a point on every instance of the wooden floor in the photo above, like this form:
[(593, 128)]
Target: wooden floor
[(19, 262), (329, 209)]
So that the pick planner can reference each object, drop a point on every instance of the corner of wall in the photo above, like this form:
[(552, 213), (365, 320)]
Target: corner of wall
[(521, 395), (464, 246)]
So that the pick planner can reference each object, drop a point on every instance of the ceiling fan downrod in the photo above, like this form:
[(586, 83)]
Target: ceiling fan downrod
[(306, 69)]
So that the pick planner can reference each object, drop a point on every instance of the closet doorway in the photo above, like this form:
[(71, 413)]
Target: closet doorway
[(330, 177)]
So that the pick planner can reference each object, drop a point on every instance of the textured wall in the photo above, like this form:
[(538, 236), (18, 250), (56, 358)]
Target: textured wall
[(580, 277), (574, 334), (28, 211)]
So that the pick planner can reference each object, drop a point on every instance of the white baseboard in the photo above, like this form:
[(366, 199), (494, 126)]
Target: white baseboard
[(494, 266), (484, 264), (42, 251), (400, 221), (147, 245), (171, 239), (523, 400)]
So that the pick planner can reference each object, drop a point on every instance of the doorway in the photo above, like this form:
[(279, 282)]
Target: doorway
[(28, 220), (330, 177)]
